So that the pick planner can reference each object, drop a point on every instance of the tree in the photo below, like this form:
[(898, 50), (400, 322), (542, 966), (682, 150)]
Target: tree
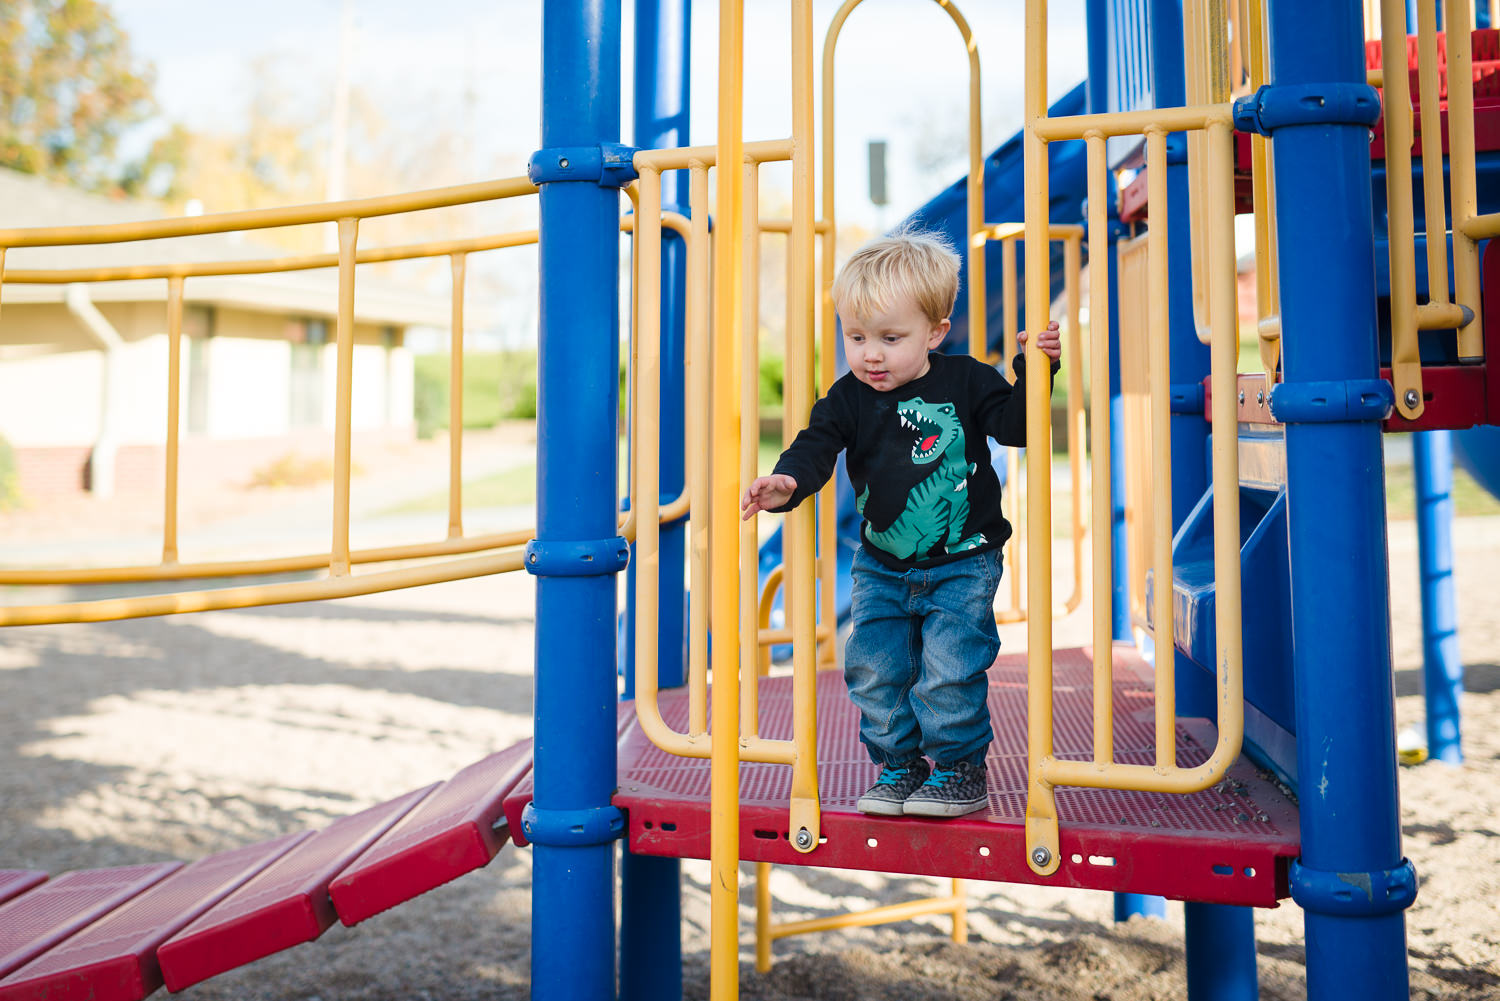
[(70, 88)]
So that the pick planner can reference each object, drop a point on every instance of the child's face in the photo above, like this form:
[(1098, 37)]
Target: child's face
[(889, 349)]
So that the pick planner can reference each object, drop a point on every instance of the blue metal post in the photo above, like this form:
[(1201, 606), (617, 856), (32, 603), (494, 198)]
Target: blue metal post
[(1318, 110), (577, 550), (1228, 975), (651, 888), (1442, 670), (1098, 103)]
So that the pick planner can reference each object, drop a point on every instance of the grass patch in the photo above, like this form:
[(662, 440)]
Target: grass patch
[(1469, 498)]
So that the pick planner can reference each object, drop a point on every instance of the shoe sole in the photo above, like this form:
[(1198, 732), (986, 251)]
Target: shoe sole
[(879, 807), (932, 808)]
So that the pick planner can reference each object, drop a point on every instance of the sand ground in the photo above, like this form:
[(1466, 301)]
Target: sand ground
[(175, 737)]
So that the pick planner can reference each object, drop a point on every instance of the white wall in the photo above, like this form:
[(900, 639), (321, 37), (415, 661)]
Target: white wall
[(248, 382), (54, 399)]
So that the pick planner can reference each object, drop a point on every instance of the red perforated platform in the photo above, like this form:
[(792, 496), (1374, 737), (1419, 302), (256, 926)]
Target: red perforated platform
[(14, 882), (1230, 844), (114, 959), (285, 905), (453, 831)]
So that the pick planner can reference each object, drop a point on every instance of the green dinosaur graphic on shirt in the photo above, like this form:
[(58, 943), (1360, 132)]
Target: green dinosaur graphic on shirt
[(938, 507)]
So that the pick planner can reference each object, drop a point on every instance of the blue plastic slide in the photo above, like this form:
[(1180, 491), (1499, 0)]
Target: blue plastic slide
[(948, 214), (1478, 451)]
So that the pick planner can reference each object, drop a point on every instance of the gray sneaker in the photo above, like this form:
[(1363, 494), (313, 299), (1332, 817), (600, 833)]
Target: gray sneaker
[(951, 791), (896, 782)]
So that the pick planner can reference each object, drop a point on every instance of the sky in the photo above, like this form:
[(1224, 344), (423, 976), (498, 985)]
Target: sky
[(902, 73), (901, 77)]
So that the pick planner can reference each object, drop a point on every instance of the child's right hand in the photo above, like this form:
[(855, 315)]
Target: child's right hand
[(766, 493)]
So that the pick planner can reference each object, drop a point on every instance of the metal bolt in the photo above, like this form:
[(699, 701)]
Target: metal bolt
[(1260, 398), (804, 839), (1040, 856), (562, 162), (532, 557), (1242, 397), (1411, 398)]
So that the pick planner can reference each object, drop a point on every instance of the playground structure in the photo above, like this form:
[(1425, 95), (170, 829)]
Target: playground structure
[(1122, 755)]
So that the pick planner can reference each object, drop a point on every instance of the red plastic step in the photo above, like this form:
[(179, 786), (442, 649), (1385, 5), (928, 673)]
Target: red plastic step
[(453, 831), (14, 882), (114, 959), (286, 905), (1229, 844), (38, 921)]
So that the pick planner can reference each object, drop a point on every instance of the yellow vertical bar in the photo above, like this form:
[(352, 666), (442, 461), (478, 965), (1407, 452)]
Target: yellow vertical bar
[(978, 322), (1159, 358), (801, 597), (456, 400), (1465, 198), (1100, 459), (749, 569), (1224, 352), (1041, 808), (1011, 501), (828, 321), (1406, 365), (348, 240), (645, 449), (1012, 306), (1267, 296), (1432, 151), (174, 412), (724, 770), (1072, 265), (762, 917), (700, 374), (960, 913)]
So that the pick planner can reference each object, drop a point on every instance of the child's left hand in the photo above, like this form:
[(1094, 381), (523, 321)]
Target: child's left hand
[(1048, 342)]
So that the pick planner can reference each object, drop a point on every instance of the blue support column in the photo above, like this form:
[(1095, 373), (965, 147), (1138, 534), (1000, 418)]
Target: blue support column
[(1317, 110), (651, 888), (1442, 670), (1224, 975), (577, 550), (1098, 103)]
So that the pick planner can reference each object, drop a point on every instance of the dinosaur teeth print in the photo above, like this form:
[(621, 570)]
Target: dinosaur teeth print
[(926, 446)]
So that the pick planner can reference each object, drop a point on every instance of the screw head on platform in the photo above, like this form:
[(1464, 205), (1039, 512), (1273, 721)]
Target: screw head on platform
[(1040, 856), (1242, 397), (1260, 398), (1411, 398), (804, 838)]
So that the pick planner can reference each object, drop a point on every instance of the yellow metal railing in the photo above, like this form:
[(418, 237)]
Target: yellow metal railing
[(767, 931), (337, 584), (1046, 770), (1460, 311), (1071, 237)]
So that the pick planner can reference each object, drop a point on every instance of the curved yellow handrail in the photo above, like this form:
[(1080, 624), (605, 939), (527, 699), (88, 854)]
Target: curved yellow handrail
[(269, 218), (1047, 770)]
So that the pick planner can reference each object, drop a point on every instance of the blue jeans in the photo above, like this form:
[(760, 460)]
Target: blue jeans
[(915, 663)]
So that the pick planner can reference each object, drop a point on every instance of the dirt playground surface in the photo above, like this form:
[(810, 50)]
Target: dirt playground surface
[(172, 738)]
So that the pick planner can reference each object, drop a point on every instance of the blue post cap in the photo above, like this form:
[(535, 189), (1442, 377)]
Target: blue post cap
[(1354, 894)]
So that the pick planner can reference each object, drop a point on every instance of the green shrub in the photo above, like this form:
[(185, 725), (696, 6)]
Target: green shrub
[(10, 477), (498, 385)]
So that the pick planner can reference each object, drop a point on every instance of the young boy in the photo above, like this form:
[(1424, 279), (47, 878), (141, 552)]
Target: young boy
[(914, 425)]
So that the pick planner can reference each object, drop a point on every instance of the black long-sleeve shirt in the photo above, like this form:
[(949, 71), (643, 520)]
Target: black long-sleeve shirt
[(918, 458)]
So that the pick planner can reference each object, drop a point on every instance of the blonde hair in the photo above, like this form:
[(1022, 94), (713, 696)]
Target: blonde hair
[(921, 266)]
